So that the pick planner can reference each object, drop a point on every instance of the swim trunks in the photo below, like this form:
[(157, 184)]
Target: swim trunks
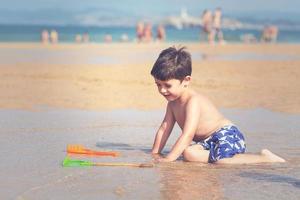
[(224, 143)]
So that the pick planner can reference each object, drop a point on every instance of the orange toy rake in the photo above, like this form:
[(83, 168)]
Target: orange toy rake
[(80, 149)]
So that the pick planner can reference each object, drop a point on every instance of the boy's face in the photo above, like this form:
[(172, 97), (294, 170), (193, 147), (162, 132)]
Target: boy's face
[(171, 89)]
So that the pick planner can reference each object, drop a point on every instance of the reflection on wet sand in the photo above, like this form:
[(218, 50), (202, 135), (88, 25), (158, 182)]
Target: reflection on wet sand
[(123, 147), (272, 178), (183, 180)]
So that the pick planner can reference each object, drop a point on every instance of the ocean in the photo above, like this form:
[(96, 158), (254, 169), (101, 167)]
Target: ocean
[(31, 33)]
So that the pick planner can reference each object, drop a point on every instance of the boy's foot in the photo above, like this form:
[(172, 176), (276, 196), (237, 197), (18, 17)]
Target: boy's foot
[(271, 156)]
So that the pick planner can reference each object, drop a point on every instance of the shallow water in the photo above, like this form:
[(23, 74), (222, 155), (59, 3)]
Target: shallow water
[(77, 56), (33, 146), (48, 56), (248, 56)]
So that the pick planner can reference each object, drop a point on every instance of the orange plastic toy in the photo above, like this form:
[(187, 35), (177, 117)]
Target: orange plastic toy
[(80, 149)]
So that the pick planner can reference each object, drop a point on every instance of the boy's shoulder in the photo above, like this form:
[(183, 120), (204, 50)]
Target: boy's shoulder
[(195, 97), (195, 100)]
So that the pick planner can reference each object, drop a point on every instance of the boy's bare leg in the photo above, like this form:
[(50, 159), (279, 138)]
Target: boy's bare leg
[(196, 153), (265, 156)]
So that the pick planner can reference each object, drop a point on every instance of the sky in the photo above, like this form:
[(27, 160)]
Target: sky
[(105, 12)]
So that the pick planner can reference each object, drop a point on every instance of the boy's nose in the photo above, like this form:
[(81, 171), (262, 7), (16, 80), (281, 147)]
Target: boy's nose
[(163, 90)]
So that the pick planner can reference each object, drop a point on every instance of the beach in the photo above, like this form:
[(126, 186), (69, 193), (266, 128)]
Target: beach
[(116, 76), (103, 96)]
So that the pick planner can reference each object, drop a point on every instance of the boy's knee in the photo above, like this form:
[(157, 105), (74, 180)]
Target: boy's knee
[(195, 153), (187, 153)]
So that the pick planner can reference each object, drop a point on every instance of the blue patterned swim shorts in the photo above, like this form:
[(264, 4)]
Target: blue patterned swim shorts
[(224, 143)]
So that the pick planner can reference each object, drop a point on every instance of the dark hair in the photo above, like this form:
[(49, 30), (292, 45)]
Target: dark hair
[(172, 63)]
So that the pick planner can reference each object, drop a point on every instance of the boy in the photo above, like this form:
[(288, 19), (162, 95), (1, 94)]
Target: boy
[(217, 139)]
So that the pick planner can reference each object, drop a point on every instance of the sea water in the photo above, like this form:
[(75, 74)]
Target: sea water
[(31, 33)]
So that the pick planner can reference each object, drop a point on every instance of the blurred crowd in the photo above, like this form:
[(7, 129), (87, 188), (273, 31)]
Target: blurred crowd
[(144, 34), (211, 25)]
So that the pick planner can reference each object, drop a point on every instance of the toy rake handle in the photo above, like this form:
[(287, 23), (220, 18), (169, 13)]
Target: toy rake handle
[(143, 165), (114, 154), (97, 153)]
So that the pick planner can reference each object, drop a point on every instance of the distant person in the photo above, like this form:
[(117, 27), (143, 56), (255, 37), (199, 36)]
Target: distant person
[(269, 34), (140, 31), (217, 22), (161, 33), (45, 36), (218, 140), (54, 36), (86, 37), (147, 36), (107, 38), (78, 38), (207, 25)]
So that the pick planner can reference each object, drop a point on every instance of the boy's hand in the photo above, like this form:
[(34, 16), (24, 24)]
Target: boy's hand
[(164, 160), (156, 156), (159, 158)]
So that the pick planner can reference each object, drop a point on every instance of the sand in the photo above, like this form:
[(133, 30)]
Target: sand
[(116, 76), (102, 96)]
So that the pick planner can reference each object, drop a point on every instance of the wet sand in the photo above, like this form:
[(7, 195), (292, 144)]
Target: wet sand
[(33, 145), (103, 97)]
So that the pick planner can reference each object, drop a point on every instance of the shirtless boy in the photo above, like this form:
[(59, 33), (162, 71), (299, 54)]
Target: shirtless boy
[(217, 139)]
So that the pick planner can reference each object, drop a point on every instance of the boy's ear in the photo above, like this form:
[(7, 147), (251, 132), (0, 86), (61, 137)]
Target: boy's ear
[(186, 80)]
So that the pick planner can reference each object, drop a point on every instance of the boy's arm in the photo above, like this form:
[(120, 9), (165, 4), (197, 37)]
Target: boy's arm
[(164, 131), (188, 132)]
